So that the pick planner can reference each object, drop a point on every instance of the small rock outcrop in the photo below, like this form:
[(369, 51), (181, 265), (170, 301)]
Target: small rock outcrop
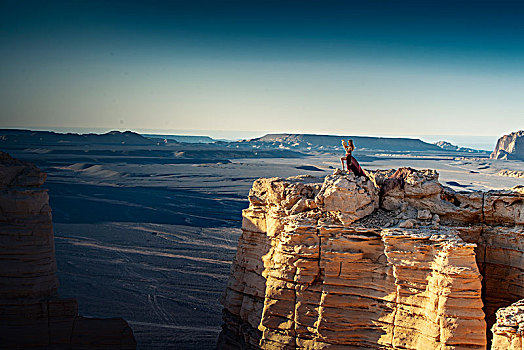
[(508, 332), (510, 146), (32, 316), (396, 261), (512, 173)]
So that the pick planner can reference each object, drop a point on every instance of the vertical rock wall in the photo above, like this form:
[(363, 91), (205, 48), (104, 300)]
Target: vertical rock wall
[(32, 316), (502, 264), (27, 262)]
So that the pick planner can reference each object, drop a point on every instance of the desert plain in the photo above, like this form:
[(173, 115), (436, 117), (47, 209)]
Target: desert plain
[(147, 231)]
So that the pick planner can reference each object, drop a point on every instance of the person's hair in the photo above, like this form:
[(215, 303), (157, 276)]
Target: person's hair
[(351, 145)]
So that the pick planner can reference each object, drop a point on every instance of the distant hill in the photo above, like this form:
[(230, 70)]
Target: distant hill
[(116, 146), (183, 138), (327, 142), (40, 138)]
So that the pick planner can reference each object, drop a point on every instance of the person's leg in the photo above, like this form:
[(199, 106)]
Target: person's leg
[(348, 162), (342, 159)]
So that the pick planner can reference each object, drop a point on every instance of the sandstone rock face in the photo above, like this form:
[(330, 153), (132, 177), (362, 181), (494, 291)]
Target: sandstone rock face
[(391, 262), (508, 332), (510, 146), (31, 313)]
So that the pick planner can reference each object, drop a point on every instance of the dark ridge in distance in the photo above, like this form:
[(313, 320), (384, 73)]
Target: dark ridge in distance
[(53, 138)]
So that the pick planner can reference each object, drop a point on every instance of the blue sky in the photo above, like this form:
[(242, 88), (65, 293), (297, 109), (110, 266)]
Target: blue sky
[(337, 67)]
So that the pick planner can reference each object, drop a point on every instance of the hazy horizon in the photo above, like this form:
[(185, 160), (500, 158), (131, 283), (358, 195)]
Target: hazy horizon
[(481, 142), (333, 67)]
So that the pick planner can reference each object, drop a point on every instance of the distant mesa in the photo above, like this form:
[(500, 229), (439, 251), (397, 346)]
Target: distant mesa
[(182, 138), (331, 142), (510, 147)]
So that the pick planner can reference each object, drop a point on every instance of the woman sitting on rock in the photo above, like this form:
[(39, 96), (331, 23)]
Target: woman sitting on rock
[(351, 162)]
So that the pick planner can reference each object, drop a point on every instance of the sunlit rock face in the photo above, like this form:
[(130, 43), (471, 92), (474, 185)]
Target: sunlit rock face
[(392, 261), (510, 146), (32, 316), (349, 198)]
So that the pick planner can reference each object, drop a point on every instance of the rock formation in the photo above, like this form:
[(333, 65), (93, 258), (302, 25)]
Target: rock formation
[(508, 332), (396, 261), (510, 146), (448, 146), (31, 313)]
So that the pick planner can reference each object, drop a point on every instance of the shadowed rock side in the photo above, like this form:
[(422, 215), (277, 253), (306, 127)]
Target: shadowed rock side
[(31, 313), (510, 146), (394, 261)]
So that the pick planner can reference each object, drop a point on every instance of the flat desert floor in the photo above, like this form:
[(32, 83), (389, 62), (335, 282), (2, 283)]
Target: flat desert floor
[(153, 243)]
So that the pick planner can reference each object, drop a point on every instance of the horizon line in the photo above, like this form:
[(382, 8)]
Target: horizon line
[(203, 132)]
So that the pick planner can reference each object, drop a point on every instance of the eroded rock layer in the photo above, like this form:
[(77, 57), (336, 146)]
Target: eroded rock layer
[(31, 313), (391, 261)]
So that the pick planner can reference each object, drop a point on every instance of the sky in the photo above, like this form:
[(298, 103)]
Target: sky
[(378, 68)]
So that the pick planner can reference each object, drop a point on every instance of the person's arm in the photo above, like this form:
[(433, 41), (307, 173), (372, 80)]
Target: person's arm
[(345, 145)]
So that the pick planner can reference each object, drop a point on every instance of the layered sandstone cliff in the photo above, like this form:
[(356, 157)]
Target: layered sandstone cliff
[(510, 146), (31, 313), (395, 261)]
